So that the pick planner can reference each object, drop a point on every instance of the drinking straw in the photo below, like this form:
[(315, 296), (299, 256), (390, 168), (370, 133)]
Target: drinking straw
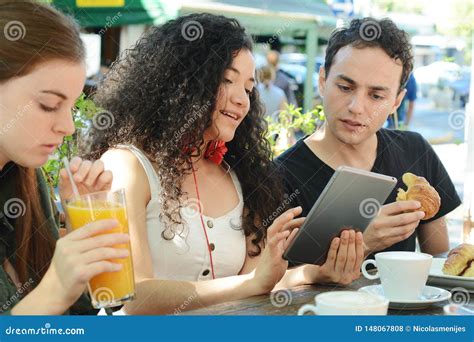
[(68, 170)]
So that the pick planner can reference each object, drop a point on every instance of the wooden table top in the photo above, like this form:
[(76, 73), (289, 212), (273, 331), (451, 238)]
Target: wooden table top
[(296, 297)]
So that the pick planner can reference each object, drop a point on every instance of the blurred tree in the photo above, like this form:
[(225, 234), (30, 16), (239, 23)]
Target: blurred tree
[(463, 19), (453, 18), (406, 6)]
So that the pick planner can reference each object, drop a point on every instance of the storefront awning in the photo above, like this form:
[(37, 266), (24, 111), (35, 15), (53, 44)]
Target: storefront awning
[(109, 13)]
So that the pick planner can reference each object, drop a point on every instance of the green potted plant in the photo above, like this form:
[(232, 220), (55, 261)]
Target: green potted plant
[(291, 119)]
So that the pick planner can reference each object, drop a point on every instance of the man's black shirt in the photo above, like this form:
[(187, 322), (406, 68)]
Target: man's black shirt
[(305, 175)]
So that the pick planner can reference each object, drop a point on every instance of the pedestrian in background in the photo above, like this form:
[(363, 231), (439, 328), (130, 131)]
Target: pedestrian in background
[(272, 97), (407, 107), (282, 81)]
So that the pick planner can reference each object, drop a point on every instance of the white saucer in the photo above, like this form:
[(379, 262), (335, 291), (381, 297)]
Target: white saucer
[(429, 296)]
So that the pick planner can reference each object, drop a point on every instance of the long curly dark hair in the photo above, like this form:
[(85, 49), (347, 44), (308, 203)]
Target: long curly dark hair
[(162, 94)]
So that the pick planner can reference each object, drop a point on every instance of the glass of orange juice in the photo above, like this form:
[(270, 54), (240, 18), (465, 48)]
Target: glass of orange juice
[(107, 289)]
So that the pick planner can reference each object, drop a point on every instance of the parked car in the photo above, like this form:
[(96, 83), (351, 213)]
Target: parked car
[(461, 86), (437, 74), (300, 59)]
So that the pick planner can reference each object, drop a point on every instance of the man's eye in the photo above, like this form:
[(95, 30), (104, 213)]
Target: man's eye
[(377, 97), (344, 88)]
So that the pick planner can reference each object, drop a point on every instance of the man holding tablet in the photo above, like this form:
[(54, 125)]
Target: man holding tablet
[(363, 81)]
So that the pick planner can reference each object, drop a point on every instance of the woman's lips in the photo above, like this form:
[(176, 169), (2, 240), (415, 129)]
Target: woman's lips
[(230, 115), (232, 118), (49, 147)]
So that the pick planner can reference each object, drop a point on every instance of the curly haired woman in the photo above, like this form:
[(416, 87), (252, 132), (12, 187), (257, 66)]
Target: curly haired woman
[(188, 145)]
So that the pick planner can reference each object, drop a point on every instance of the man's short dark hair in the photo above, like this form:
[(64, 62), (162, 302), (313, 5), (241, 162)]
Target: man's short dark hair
[(369, 32)]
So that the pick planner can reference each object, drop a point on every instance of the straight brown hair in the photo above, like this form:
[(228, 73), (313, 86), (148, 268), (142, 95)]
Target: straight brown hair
[(34, 33)]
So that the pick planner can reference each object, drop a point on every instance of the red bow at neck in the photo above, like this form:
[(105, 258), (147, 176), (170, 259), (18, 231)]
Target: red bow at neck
[(215, 151)]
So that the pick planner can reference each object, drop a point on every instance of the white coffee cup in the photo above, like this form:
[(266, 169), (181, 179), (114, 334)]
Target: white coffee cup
[(403, 274), (347, 303)]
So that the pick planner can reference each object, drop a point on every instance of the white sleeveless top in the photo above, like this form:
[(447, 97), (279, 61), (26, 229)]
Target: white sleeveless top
[(186, 256)]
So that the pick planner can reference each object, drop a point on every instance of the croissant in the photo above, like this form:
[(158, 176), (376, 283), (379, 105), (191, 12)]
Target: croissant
[(469, 272), (420, 190), (460, 261)]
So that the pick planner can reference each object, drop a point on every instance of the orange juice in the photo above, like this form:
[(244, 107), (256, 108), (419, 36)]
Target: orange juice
[(109, 288)]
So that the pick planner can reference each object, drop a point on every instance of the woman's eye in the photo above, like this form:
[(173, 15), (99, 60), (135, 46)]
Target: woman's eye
[(46, 108), (226, 80)]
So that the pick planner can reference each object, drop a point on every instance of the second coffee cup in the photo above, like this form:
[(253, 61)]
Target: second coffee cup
[(403, 274)]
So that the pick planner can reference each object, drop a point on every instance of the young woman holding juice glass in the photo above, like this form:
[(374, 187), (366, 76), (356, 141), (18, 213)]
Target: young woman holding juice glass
[(42, 72), (207, 216)]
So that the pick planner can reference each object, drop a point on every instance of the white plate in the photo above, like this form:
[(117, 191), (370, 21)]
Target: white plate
[(429, 296), (459, 310), (448, 281)]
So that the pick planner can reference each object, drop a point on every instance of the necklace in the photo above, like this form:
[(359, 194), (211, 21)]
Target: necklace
[(202, 224)]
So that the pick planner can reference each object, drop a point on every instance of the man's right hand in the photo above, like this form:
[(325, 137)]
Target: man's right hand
[(395, 222)]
